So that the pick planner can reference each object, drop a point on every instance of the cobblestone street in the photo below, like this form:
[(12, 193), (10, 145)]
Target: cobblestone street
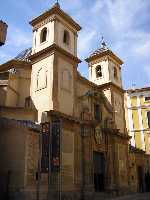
[(144, 196)]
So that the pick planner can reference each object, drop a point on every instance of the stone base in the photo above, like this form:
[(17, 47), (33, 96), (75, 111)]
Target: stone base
[(31, 194)]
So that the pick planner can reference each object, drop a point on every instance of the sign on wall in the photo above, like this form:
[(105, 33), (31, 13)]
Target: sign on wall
[(50, 147), (55, 148), (45, 147)]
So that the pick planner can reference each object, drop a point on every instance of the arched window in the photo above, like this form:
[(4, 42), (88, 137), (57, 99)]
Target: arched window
[(66, 37), (115, 72), (98, 71), (43, 35)]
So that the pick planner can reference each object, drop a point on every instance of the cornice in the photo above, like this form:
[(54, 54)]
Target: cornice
[(109, 84), (116, 133), (70, 118), (105, 53), (51, 49), (3, 82), (14, 63), (138, 90), (22, 109), (55, 10)]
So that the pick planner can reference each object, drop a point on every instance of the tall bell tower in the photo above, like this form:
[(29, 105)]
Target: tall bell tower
[(54, 61), (105, 71)]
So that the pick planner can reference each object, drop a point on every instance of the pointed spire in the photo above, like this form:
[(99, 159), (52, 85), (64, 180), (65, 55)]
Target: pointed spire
[(57, 4), (103, 43)]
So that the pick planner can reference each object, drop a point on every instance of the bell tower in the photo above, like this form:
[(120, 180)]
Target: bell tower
[(104, 66), (54, 61), (105, 71)]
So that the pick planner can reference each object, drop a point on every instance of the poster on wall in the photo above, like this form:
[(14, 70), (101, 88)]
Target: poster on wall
[(50, 147), (45, 147), (55, 148)]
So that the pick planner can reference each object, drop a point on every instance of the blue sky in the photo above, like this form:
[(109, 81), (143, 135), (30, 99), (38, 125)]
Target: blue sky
[(125, 25)]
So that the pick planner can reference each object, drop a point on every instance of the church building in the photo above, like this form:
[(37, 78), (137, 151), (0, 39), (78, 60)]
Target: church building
[(66, 134)]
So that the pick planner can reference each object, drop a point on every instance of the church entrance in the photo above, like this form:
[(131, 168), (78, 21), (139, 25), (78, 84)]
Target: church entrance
[(140, 179), (99, 171)]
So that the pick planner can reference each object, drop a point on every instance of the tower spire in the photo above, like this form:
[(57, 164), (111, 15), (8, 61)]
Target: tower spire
[(103, 43), (57, 3)]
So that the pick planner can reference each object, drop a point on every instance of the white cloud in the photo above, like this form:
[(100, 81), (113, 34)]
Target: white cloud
[(97, 7), (123, 13), (18, 38), (143, 49)]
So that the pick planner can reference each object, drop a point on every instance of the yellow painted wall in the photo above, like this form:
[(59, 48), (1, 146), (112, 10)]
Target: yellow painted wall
[(137, 136), (147, 141), (133, 101), (144, 107), (144, 118), (135, 118)]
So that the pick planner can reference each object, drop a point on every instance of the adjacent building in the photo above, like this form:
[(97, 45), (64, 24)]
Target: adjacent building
[(137, 107), (138, 117)]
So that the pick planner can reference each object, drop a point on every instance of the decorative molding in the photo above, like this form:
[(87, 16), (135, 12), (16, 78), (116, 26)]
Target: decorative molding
[(51, 49), (55, 11), (42, 83)]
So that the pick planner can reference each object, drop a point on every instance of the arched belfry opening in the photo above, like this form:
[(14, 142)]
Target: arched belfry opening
[(66, 37), (43, 35)]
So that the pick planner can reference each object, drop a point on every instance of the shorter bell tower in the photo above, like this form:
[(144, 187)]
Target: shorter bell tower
[(105, 71), (104, 66)]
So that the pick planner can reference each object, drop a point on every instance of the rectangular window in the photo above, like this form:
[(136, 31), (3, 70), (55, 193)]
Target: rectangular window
[(97, 112), (147, 98), (148, 117)]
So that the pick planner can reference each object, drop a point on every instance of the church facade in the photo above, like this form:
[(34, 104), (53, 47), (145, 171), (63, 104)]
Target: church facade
[(74, 139)]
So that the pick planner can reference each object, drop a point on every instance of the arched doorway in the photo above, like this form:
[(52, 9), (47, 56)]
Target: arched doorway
[(99, 171), (140, 175)]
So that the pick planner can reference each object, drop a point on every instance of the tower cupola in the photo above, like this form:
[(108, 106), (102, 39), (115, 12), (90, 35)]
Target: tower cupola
[(104, 66)]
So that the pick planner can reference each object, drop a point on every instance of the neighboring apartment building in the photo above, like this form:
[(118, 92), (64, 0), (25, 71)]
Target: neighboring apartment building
[(3, 32), (138, 117), (137, 107)]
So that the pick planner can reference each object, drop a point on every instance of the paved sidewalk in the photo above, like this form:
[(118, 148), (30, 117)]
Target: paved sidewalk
[(143, 196)]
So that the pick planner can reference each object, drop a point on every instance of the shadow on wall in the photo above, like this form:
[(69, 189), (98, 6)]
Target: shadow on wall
[(15, 139)]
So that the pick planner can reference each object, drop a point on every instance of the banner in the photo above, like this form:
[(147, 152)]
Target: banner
[(55, 150), (50, 147), (45, 147)]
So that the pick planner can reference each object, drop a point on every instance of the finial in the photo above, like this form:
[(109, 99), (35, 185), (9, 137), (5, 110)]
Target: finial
[(57, 4), (103, 43)]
